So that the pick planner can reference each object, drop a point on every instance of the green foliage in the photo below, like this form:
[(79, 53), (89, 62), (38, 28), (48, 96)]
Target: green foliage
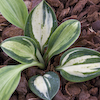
[(14, 11), (41, 24), (49, 86), (63, 37), (21, 48), (10, 77), (79, 64), (42, 41)]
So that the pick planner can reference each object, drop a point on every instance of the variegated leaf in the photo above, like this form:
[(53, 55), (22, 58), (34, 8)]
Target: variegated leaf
[(63, 37), (45, 86), (41, 23), (15, 11), (10, 77), (79, 64), (20, 48)]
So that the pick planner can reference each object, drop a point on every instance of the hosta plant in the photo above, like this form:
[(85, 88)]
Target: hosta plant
[(42, 40)]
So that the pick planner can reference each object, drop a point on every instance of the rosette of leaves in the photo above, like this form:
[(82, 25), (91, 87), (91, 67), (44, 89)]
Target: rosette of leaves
[(43, 40)]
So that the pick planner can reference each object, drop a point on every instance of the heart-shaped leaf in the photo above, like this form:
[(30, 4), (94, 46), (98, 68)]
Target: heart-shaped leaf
[(41, 23), (15, 11), (63, 37), (79, 64), (20, 48), (45, 86)]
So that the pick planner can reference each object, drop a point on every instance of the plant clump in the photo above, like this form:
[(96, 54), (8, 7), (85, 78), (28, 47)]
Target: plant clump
[(43, 39)]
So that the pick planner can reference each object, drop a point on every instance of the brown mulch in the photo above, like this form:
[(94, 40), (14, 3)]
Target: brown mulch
[(88, 13)]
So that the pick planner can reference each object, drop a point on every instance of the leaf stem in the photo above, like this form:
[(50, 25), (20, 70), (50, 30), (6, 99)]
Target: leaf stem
[(35, 63), (39, 56), (58, 68)]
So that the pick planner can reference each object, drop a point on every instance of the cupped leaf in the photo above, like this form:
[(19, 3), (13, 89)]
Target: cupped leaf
[(20, 48), (10, 77), (79, 64), (45, 86), (41, 23), (63, 37), (14, 11)]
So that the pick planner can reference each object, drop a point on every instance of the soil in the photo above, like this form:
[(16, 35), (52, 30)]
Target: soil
[(88, 13)]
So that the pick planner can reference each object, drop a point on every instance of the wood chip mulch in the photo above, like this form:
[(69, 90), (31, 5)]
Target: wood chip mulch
[(88, 13)]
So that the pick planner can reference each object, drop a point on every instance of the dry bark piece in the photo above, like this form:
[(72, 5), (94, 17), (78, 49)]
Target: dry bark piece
[(56, 60), (95, 1), (93, 17), (96, 40), (33, 71), (21, 97), (93, 98), (97, 83), (82, 14), (14, 97), (55, 3), (1, 28), (3, 25), (92, 8), (67, 3), (96, 25), (66, 87), (60, 96), (31, 96), (63, 13), (59, 10), (99, 94), (11, 32), (1, 61), (2, 19), (97, 49), (79, 7), (71, 17), (22, 87), (84, 32), (84, 23), (4, 56), (72, 2), (34, 99), (84, 95), (82, 43), (85, 42), (10, 61), (63, 1), (0, 39), (72, 89), (93, 91)]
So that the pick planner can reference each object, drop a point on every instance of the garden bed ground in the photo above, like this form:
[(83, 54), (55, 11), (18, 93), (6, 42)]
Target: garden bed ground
[(88, 13)]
